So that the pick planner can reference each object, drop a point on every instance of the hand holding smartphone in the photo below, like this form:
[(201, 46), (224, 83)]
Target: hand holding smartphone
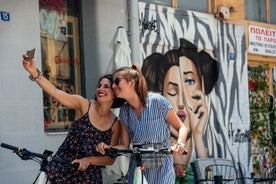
[(30, 54)]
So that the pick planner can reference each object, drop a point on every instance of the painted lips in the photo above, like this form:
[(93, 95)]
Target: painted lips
[(181, 115)]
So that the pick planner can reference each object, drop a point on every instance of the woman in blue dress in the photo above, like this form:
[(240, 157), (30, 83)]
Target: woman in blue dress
[(147, 117)]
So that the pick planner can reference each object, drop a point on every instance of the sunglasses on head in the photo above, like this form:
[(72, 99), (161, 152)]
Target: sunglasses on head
[(117, 81)]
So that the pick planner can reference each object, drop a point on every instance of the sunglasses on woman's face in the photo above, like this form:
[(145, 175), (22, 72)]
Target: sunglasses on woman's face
[(117, 81)]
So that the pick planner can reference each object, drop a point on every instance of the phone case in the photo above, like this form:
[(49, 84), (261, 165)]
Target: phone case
[(30, 54)]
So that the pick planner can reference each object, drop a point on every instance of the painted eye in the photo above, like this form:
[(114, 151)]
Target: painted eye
[(190, 82), (172, 90)]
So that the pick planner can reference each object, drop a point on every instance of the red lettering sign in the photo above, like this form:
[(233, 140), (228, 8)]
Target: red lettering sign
[(60, 60)]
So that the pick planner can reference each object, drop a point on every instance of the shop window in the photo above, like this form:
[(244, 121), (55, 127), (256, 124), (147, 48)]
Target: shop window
[(273, 12), (163, 2), (255, 10), (60, 58), (195, 5)]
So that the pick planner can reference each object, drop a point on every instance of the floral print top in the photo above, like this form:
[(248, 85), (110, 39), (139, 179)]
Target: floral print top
[(80, 142)]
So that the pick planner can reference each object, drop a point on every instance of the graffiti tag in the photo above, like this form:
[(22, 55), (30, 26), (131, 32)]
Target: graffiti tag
[(150, 25), (51, 23)]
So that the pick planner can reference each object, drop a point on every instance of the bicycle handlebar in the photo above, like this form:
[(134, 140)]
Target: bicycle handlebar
[(25, 154), (4, 145), (114, 152)]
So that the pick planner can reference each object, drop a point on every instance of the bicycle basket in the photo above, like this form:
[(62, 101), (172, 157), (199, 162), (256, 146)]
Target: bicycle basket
[(153, 160)]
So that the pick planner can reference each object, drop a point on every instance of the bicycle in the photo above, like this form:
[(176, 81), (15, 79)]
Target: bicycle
[(138, 153), (42, 159)]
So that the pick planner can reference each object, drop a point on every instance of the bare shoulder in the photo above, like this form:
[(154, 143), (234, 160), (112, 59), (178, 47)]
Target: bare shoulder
[(121, 124), (117, 122), (83, 106)]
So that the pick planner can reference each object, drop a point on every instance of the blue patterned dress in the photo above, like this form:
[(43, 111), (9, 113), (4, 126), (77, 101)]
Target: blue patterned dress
[(80, 142), (152, 127)]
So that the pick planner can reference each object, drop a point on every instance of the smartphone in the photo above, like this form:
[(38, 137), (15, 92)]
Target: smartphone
[(30, 54)]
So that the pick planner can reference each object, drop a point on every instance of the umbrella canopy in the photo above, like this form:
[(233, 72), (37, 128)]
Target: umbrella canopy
[(121, 55)]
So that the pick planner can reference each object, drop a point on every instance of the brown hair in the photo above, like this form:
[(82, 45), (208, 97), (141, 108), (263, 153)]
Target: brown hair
[(134, 73)]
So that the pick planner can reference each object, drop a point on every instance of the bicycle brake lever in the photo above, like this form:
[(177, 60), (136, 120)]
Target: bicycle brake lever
[(112, 152), (170, 151), (76, 165), (23, 154)]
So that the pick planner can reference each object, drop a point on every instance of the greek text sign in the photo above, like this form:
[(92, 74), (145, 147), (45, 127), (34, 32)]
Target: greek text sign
[(262, 40)]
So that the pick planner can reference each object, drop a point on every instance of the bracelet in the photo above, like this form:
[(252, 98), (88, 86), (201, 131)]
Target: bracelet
[(38, 78), (180, 143)]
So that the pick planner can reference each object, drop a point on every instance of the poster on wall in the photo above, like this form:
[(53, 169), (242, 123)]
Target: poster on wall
[(261, 40)]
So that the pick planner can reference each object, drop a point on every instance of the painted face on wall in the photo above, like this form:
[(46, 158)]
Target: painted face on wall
[(191, 82), (179, 85), (173, 91)]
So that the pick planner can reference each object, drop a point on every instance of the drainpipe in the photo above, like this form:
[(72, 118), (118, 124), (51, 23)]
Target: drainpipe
[(133, 23)]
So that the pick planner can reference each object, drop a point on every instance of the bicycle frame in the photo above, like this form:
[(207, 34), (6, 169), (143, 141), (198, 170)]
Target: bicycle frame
[(42, 159), (139, 176), (41, 178)]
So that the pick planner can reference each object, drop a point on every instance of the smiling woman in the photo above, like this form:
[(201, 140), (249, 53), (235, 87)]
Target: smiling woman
[(94, 122)]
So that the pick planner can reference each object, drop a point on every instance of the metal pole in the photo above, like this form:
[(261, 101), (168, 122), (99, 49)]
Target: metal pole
[(134, 31)]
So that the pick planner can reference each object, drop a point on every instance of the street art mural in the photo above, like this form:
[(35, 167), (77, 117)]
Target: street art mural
[(192, 58)]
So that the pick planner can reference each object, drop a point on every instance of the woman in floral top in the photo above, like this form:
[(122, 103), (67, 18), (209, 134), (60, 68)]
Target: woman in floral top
[(94, 123)]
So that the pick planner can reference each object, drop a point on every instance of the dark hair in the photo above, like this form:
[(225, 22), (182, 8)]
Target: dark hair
[(159, 65), (118, 102), (150, 69), (210, 70), (134, 73)]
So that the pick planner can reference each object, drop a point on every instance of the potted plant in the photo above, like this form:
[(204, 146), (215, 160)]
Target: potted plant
[(262, 123), (183, 174)]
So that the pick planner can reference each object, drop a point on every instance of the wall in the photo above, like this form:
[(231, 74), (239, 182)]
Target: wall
[(100, 22), (21, 107), (21, 113), (226, 132)]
